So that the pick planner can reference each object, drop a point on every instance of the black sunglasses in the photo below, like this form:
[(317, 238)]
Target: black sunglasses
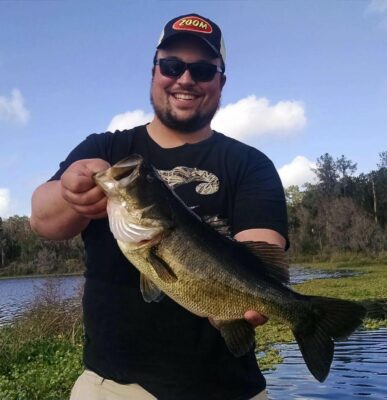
[(200, 71)]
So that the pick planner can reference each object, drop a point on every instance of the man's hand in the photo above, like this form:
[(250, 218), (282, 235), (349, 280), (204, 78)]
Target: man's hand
[(252, 317), (80, 191), (255, 318)]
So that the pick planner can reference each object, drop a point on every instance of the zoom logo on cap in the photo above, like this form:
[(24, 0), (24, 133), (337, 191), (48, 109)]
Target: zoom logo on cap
[(192, 23)]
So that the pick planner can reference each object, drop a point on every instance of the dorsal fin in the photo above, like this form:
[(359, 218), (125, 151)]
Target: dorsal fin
[(275, 259), (219, 224)]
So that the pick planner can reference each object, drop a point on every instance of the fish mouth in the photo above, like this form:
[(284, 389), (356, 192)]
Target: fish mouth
[(126, 167), (121, 174)]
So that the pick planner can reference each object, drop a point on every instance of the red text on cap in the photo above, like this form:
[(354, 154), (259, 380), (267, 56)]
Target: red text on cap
[(192, 23)]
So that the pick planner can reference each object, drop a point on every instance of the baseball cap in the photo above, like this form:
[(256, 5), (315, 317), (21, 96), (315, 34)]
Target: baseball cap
[(196, 25)]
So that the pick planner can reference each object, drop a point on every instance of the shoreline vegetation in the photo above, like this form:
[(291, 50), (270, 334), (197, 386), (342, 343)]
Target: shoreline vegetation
[(42, 350), (32, 276)]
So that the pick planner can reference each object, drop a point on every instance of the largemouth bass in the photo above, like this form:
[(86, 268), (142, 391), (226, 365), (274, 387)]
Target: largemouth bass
[(210, 274)]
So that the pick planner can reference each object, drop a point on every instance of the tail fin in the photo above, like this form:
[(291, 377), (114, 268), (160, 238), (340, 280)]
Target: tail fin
[(329, 319)]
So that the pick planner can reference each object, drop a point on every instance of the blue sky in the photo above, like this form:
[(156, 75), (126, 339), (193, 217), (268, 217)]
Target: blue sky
[(303, 78)]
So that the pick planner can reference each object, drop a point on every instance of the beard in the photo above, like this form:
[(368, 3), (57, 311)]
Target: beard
[(188, 125)]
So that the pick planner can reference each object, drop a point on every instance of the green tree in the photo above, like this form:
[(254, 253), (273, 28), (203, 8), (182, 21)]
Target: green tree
[(3, 244), (24, 252), (326, 172), (345, 167), (293, 195), (382, 160)]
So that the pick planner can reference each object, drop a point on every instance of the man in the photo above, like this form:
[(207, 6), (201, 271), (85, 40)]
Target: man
[(135, 350)]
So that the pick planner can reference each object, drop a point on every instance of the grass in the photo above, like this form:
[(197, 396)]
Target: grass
[(44, 369), (41, 352)]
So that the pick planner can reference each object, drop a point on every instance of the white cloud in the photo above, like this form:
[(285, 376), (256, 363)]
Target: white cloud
[(129, 120), (5, 202), (298, 172), (256, 117), (246, 118), (377, 6), (379, 9), (13, 109)]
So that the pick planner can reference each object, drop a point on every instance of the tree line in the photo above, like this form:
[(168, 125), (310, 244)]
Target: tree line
[(341, 213), (22, 252)]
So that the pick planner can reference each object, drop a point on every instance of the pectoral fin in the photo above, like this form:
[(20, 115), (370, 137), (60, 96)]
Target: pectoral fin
[(162, 269), (238, 334), (150, 292)]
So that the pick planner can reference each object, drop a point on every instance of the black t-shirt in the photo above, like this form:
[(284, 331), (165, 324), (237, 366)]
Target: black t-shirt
[(172, 353)]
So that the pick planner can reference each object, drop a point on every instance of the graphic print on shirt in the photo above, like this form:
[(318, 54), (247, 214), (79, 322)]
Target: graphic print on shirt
[(182, 175)]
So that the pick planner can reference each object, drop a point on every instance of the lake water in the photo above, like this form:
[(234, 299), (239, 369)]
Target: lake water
[(299, 274), (16, 294), (359, 369)]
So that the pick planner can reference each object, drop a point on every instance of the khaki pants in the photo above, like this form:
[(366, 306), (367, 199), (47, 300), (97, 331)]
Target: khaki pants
[(90, 386)]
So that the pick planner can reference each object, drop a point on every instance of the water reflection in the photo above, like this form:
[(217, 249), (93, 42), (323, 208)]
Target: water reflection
[(359, 370)]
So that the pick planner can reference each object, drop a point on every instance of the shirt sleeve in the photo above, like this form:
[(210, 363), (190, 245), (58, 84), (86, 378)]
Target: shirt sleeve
[(91, 147), (260, 199)]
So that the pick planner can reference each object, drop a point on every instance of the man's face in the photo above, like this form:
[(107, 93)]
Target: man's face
[(182, 103)]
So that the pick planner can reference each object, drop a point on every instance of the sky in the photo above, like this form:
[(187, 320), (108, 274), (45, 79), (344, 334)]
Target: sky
[(304, 78)]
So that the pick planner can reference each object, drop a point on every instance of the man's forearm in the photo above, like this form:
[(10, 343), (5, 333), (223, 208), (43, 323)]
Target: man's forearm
[(261, 235), (51, 215)]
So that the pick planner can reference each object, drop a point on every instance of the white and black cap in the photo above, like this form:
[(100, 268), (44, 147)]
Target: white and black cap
[(196, 25)]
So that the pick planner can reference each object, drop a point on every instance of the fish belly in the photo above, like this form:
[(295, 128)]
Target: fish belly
[(206, 289)]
